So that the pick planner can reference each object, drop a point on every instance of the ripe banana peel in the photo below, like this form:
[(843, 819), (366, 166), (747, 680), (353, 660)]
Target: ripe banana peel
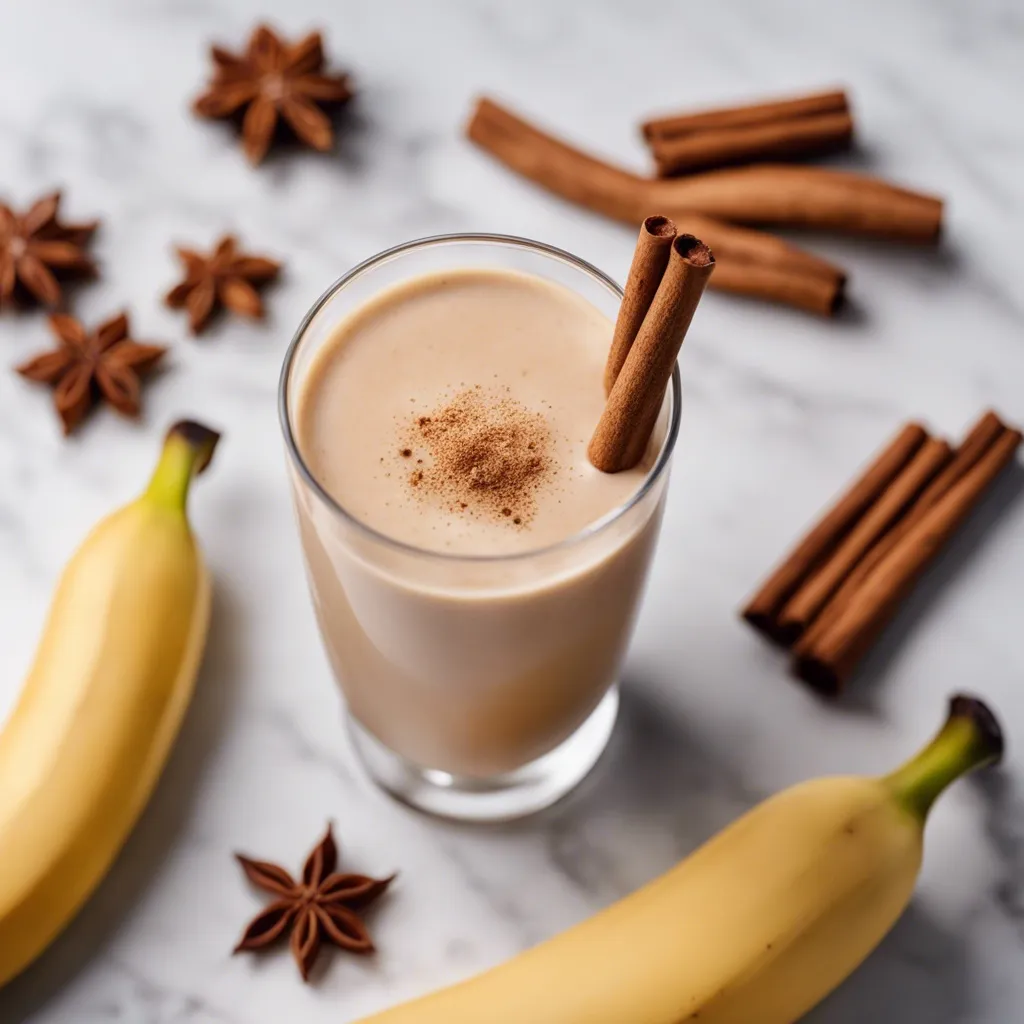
[(102, 704), (756, 926)]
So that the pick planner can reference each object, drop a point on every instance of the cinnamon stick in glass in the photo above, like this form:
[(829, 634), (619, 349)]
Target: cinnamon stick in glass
[(649, 262), (632, 408), (830, 661), (763, 608), (748, 262), (978, 441), (812, 595)]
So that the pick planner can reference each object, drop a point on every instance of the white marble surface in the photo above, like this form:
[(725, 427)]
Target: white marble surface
[(780, 408)]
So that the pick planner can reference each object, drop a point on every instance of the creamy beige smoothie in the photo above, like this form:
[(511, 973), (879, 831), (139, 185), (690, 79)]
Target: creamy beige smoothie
[(451, 414)]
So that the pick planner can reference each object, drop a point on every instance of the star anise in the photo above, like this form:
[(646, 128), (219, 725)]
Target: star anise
[(104, 363), (36, 247), (226, 277), (322, 905), (274, 81)]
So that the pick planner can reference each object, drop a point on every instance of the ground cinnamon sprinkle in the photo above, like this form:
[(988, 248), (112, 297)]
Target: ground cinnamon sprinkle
[(486, 454)]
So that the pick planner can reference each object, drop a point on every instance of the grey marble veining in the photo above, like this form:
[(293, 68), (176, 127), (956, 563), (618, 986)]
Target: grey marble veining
[(779, 408)]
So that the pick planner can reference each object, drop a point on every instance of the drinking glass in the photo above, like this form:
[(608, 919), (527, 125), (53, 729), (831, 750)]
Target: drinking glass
[(477, 687)]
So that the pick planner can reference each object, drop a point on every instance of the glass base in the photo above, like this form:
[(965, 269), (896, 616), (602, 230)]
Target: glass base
[(500, 798)]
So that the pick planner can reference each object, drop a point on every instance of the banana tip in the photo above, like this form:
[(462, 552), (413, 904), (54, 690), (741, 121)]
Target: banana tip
[(201, 438), (984, 719)]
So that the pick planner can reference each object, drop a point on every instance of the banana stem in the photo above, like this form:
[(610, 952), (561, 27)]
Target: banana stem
[(970, 738), (188, 449)]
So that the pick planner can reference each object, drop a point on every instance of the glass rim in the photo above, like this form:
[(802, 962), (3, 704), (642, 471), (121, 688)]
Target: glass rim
[(513, 241)]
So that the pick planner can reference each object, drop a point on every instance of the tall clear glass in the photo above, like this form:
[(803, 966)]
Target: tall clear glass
[(477, 687)]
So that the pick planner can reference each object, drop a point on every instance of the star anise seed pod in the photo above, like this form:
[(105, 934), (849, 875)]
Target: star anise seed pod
[(225, 277), (274, 81), (86, 366), (36, 249), (322, 905)]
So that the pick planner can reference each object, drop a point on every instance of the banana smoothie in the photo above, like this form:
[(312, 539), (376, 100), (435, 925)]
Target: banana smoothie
[(475, 578)]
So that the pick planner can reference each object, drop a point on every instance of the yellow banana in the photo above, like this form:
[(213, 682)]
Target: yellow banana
[(755, 927), (102, 704)]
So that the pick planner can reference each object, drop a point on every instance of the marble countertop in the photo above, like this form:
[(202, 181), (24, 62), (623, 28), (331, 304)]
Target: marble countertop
[(780, 407)]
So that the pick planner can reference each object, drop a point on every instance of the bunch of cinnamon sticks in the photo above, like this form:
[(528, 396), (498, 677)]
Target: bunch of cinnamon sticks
[(838, 588), (714, 203)]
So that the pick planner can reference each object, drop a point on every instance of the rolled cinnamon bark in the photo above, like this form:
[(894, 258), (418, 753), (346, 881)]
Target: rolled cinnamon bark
[(811, 597), (830, 102), (821, 295), (763, 608), (632, 408), (809, 197), (754, 132), (747, 262), (830, 661), (978, 441), (776, 140), (649, 262)]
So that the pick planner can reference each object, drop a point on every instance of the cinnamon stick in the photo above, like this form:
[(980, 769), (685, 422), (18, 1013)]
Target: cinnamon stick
[(747, 261), (808, 197), (978, 441), (763, 608), (758, 194), (829, 663), (649, 262), (831, 102), (774, 140), (787, 285), (811, 597), (632, 408)]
